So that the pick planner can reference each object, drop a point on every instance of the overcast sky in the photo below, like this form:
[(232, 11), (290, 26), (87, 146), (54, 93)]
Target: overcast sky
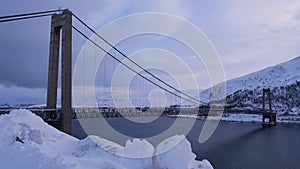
[(248, 35)]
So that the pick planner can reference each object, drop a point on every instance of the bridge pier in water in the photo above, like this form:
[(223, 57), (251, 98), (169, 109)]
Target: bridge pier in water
[(61, 27)]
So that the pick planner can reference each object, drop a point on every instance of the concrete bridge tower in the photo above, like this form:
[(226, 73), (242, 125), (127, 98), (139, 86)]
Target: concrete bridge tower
[(61, 31)]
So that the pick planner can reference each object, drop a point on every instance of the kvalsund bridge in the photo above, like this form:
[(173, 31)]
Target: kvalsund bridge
[(61, 49)]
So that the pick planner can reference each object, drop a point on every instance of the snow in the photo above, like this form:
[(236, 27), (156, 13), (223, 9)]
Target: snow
[(41, 146), (249, 118), (282, 74), (253, 118), (244, 118), (177, 154)]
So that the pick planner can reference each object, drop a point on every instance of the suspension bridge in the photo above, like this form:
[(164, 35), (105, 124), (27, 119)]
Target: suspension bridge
[(61, 32)]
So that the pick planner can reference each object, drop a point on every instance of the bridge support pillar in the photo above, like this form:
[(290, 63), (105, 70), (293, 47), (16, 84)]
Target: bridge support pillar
[(53, 62), (61, 24), (268, 115)]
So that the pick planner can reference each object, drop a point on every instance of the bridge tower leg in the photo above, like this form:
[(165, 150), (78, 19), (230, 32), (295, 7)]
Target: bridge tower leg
[(61, 24)]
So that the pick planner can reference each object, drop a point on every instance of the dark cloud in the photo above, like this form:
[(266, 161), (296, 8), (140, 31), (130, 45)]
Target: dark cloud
[(24, 45)]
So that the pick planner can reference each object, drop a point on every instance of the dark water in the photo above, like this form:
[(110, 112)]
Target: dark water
[(232, 146)]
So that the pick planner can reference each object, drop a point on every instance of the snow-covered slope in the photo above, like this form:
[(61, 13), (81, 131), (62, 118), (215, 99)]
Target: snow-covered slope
[(245, 93), (27, 142), (279, 75), (282, 74)]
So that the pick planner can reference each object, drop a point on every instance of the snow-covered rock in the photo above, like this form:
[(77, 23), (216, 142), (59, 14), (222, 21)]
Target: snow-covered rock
[(28, 142), (177, 150)]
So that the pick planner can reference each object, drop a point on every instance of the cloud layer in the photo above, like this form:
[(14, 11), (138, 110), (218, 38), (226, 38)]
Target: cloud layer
[(249, 35)]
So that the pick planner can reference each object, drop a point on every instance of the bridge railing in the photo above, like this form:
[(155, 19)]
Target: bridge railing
[(79, 113)]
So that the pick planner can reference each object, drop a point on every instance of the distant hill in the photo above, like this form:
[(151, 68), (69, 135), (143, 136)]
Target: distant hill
[(246, 92)]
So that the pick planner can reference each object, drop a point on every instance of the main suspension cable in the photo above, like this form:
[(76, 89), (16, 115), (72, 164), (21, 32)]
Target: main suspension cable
[(151, 74), (32, 13), (97, 45), (22, 18)]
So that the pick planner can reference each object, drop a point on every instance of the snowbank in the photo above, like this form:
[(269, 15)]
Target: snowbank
[(28, 142)]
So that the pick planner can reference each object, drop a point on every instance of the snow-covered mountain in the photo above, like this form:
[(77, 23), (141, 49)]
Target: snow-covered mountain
[(4, 106), (283, 80)]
